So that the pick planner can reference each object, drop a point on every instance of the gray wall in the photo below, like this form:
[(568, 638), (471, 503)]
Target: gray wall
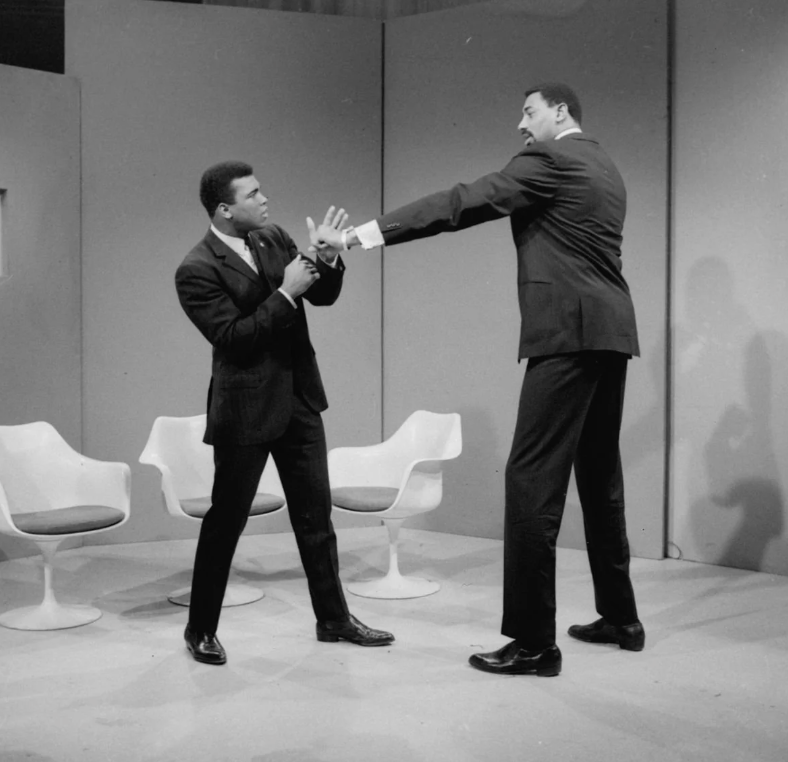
[(454, 95), (156, 110), (167, 90), (40, 363), (730, 460)]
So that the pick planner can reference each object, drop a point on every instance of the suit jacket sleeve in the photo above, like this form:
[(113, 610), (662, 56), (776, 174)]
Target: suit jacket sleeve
[(210, 307), (528, 180)]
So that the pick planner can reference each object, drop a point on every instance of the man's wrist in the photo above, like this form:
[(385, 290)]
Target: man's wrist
[(288, 297), (348, 238)]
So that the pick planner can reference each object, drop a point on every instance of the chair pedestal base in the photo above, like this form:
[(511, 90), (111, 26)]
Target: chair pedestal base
[(47, 616), (394, 587), (236, 594)]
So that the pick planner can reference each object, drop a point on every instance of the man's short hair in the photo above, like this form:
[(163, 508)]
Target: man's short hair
[(555, 93), (216, 181)]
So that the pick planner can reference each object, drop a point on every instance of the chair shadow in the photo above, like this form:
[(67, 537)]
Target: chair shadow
[(457, 568), (21, 755), (150, 597)]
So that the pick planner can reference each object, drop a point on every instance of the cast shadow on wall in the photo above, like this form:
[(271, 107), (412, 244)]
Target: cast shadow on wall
[(741, 464), (728, 375)]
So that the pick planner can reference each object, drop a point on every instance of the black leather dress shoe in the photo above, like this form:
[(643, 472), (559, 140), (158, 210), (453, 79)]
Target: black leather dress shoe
[(204, 646), (630, 637), (513, 660), (354, 632)]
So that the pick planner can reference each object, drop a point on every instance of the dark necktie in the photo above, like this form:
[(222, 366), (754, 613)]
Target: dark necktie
[(248, 244)]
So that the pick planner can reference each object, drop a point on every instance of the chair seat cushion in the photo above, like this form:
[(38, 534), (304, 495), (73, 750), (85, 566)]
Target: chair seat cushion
[(263, 502), (366, 499), (77, 518)]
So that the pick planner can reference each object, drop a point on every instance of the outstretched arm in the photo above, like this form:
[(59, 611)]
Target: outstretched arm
[(528, 180)]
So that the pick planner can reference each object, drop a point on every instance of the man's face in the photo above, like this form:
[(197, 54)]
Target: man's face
[(540, 120), (249, 211)]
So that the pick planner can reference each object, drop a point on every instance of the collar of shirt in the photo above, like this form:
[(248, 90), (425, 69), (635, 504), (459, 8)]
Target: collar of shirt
[(567, 132), (238, 245)]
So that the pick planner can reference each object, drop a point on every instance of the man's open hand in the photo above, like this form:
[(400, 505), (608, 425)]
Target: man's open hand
[(329, 233)]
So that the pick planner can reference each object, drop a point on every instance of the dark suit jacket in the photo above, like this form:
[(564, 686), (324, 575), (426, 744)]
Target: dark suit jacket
[(567, 202), (262, 355)]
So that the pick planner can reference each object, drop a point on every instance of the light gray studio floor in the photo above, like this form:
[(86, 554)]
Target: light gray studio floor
[(712, 683)]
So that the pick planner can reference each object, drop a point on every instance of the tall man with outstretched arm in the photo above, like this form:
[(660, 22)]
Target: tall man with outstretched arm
[(243, 287), (566, 202)]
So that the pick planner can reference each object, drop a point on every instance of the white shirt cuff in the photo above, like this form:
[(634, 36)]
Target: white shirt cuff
[(288, 297), (369, 235)]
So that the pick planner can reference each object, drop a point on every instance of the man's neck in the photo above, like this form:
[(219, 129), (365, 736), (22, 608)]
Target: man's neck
[(226, 228), (568, 131)]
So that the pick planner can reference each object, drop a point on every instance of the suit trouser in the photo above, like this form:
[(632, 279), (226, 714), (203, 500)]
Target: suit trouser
[(569, 414), (301, 459)]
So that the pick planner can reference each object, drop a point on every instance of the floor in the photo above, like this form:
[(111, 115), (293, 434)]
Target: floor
[(712, 683)]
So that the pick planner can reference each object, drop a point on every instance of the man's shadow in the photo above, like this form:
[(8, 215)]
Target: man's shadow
[(740, 459), (726, 375)]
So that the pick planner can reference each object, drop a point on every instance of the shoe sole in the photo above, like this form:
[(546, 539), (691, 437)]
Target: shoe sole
[(605, 642), (337, 638), (551, 671)]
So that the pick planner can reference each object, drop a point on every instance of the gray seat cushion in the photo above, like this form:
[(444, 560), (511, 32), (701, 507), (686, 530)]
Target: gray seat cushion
[(365, 499), (263, 502), (78, 518)]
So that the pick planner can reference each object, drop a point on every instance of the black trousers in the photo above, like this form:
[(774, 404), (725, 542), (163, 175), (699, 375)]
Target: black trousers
[(569, 414), (301, 459)]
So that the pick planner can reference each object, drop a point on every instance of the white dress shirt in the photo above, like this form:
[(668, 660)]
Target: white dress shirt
[(567, 132)]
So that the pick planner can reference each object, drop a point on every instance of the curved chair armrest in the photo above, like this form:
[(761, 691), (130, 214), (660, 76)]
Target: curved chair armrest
[(97, 465), (375, 465), (111, 490), (420, 490), (6, 523), (171, 502), (105, 483), (149, 456), (64, 482)]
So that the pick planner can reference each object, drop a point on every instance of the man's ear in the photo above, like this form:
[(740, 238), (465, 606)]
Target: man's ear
[(224, 210), (562, 112)]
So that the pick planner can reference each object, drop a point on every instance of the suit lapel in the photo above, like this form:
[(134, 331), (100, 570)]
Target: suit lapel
[(270, 266), (228, 257)]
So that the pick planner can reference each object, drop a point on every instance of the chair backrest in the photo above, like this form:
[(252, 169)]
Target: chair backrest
[(177, 444), (428, 436), (38, 469)]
